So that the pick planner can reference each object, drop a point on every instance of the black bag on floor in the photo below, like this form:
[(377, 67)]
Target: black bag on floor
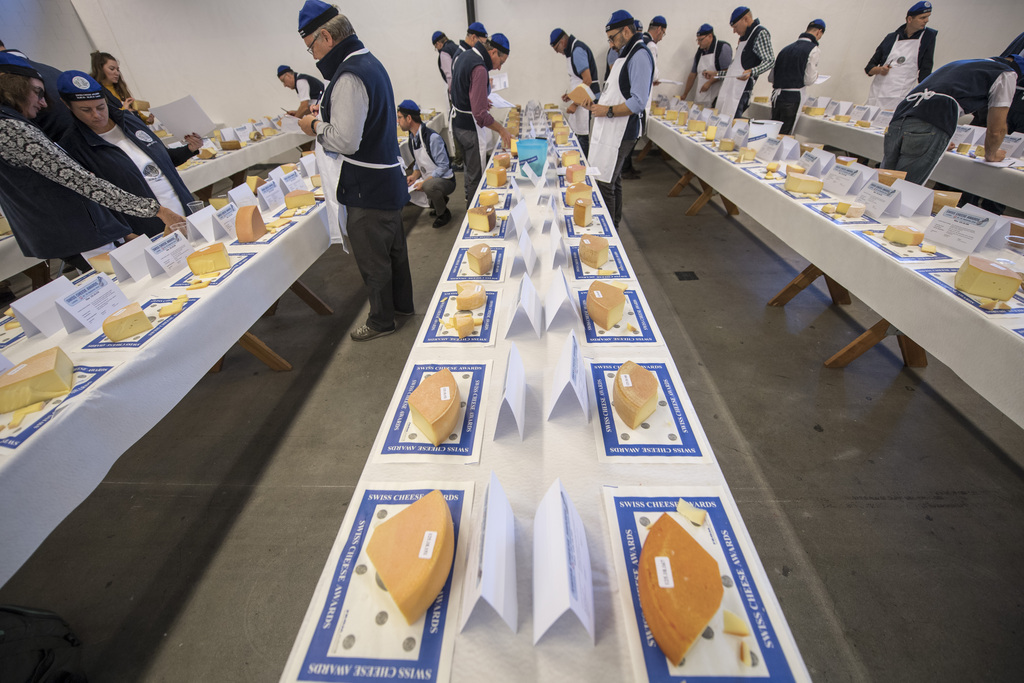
[(37, 646)]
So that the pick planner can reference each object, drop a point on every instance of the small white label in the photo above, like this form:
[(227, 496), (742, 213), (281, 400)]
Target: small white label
[(598, 295), (626, 381), (429, 537), (485, 249), (445, 394), (664, 568)]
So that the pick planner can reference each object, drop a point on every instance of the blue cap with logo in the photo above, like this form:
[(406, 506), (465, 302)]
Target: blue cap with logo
[(620, 18), (283, 69), (477, 29), (556, 35), (75, 86), (438, 35), (499, 41), (11, 63), (313, 15), (818, 23), (737, 14), (922, 7), (659, 21), (705, 30)]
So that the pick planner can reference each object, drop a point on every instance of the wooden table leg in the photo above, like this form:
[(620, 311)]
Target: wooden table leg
[(217, 366), (238, 178), (39, 274), (840, 295), (703, 199), (683, 182), (913, 355), (311, 299), (729, 206), (645, 151), (264, 353), (796, 285), (858, 346), (272, 310)]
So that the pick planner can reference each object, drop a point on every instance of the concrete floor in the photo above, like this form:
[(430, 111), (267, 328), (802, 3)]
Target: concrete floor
[(884, 501)]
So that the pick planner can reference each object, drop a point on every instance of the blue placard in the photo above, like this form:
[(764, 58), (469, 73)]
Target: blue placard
[(500, 225), (562, 183), (863, 220), (596, 197), (462, 444), (101, 342), (781, 187), (884, 247), (595, 335), (9, 337), (629, 511), (614, 257), (681, 444), (242, 258), (437, 332), (318, 664), (504, 203), (497, 257), (85, 376), (599, 226), (934, 274)]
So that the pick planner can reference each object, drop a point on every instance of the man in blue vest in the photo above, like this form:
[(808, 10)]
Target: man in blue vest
[(754, 56), (796, 67), (308, 89), (656, 31), (356, 129), (925, 121), (432, 174), (472, 108), (474, 34), (713, 55), (582, 70), (446, 51)]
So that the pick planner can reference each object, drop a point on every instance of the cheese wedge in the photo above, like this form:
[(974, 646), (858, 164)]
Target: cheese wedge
[(207, 153), (680, 587), (503, 160), (464, 324), (434, 406), (710, 132), (980, 277), (577, 191), (561, 138), (298, 198), (815, 111), (806, 147), (605, 304), (828, 208), (488, 198), (841, 118), (570, 158), (903, 234), (255, 182), (593, 250), (515, 147), (795, 168), (209, 259), (560, 128), (482, 218), (471, 296), (734, 625), (928, 248), (497, 177), (315, 179), (255, 136), (575, 173), (726, 145), (635, 397), (413, 553), (695, 126), (581, 94), (694, 514), (126, 323), (583, 212), (46, 375), (288, 168), (230, 144), (267, 132), (173, 308), (747, 153), (249, 225), (12, 325), (863, 124), (672, 115), (850, 209), (101, 262), (772, 166), (846, 161), (943, 198), (803, 184), (657, 111), (480, 258), (888, 177), (762, 99)]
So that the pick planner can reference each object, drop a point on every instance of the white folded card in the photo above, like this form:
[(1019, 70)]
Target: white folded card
[(560, 304), (168, 254), (269, 195), (491, 571), (880, 201), (242, 196), (960, 228), (37, 310), (293, 181), (570, 374), (914, 199), (513, 397), (129, 260), (308, 165), (91, 303), (525, 308), (526, 255), (224, 221), (200, 225)]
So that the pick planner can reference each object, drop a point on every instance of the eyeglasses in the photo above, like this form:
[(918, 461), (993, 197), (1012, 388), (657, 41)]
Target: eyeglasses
[(310, 48), (40, 93), (611, 38)]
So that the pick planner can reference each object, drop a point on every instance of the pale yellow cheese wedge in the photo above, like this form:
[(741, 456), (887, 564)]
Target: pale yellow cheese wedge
[(746, 655), (694, 514), (747, 153), (888, 177), (695, 126), (471, 295), (315, 179), (497, 177), (734, 625), (46, 375), (863, 124), (464, 325), (298, 198), (434, 406), (219, 202), (850, 209), (904, 234), (207, 153), (255, 182), (593, 250), (980, 277), (726, 145), (570, 158), (772, 166), (209, 259), (102, 264), (795, 168), (577, 191), (928, 248), (841, 118), (846, 161), (488, 198), (672, 115), (561, 138), (943, 198), (803, 184), (710, 132), (230, 144), (503, 160), (635, 397), (126, 323), (480, 258), (12, 325), (605, 304)]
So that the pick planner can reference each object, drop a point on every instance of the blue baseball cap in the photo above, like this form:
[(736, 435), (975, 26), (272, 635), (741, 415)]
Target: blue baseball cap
[(477, 29), (283, 69), (438, 35), (313, 15), (637, 26), (659, 21), (620, 18), (75, 86), (705, 29), (922, 7), (499, 41), (819, 23), (409, 105), (16, 64), (556, 35), (737, 14)]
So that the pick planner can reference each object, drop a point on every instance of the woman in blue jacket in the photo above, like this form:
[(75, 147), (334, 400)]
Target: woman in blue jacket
[(120, 148)]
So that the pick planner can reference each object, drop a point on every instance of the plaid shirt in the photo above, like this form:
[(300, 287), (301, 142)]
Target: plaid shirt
[(763, 49)]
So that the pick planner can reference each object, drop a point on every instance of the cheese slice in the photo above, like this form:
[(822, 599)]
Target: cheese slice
[(207, 153), (575, 173), (464, 325), (841, 118), (413, 553), (298, 198), (101, 262), (267, 132), (230, 144), (772, 166), (850, 209), (279, 223), (928, 248), (482, 218), (209, 259), (577, 191), (888, 177), (434, 406), (496, 177), (795, 168), (515, 147), (21, 413), (695, 126), (488, 198), (680, 587), (173, 308), (583, 212), (863, 124), (249, 225), (747, 153), (255, 182), (46, 375), (803, 184), (593, 250), (570, 158), (315, 179), (12, 325), (635, 397), (984, 278), (846, 161), (605, 304), (480, 258), (943, 198), (503, 160), (694, 514), (734, 625), (828, 208), (726, 145), (126, 323), (471, 295), (904, 234)]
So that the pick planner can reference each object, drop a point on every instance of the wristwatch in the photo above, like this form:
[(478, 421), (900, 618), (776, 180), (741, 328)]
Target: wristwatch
[(610, 113)]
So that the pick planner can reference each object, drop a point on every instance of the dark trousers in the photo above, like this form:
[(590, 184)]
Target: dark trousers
[(744, 101), (378, 245), (584, 144), (914, 146), (612, 190), (437, 191), (785, 108), (470, 160)]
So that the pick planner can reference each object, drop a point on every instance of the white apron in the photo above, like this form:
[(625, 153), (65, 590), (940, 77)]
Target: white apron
[(579, 120), (706, 63), (482, 134), (732, 87), (426, 167), (888, 91), (608, 132)]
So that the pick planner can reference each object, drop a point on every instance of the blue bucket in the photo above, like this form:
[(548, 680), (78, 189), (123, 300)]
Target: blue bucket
[(533, 152)]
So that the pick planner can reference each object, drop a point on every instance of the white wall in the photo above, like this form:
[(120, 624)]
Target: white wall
[(225, 52)]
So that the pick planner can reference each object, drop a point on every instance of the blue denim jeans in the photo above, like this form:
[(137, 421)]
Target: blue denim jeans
[(914, 146)]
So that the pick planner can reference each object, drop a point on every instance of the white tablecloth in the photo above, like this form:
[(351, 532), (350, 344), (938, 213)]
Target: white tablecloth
[(226, 164), (979, 347)]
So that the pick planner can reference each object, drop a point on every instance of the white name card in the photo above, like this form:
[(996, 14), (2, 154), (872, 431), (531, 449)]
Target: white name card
[(513, 398), (308, 165), (883, 119), (914, 199), (843, 180), (129, 260), (293, 181), (491, 571), (37, 310), (242, 196), (880, 201), (961, 229), (570, 377), (224, 221), (168, 254), (269, 195), (200, 225), (91, 303), (525, 308)]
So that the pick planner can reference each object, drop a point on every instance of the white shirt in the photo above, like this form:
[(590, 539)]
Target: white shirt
[(158, 183), (1002, 90), (302, 89)]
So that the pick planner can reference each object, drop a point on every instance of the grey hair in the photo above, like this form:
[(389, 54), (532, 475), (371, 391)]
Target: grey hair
[(339, 28)]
